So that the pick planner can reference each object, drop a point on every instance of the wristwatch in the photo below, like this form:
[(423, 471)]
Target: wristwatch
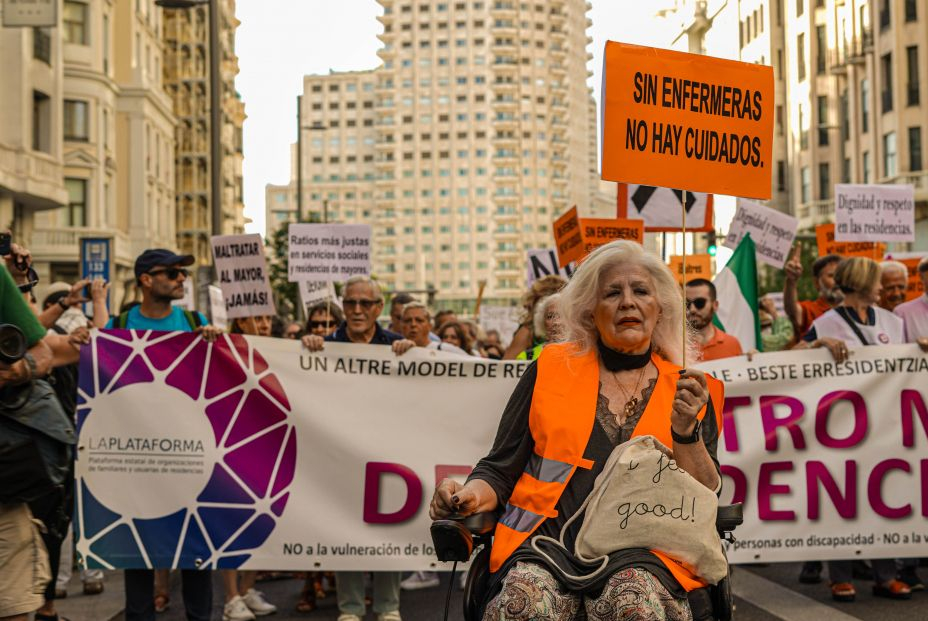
[(64, 305), (690, 439)]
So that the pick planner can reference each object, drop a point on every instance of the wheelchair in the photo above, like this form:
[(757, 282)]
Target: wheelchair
[(456, 538)]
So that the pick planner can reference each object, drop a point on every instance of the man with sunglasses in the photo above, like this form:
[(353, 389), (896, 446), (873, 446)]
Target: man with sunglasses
[(160, 275), (701, 306)]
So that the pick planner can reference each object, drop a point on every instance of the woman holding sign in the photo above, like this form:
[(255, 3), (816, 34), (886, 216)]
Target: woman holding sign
[(616, 376), (858, 322)]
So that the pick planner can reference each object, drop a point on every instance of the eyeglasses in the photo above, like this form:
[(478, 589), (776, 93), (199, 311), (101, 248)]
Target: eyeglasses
[(321, 324), (699, 303), (365, 304), (171, 272)]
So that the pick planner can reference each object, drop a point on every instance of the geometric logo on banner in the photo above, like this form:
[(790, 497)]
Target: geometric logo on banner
[(201, 479)]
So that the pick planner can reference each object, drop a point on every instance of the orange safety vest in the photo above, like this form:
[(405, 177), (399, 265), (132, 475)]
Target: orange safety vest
[(561, 418)]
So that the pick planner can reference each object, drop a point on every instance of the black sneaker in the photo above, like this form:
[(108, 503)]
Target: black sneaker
[(910, 577), (811, 572)]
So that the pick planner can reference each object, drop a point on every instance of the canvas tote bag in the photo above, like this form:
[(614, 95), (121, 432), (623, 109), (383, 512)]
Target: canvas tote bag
[(642, 499)]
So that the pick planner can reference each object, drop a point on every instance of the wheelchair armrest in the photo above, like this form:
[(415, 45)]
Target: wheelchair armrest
[(729, 517), (453, 538)]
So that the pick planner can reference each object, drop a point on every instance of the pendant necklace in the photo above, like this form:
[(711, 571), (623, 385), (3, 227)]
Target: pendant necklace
[(631, 402)]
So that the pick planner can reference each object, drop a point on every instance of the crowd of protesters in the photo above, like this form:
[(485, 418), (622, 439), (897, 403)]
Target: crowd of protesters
[(860, 302)]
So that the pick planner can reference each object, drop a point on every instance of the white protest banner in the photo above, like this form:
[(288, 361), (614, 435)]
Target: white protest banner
[(543, 262), (829, 459), (773, 232), (503, 319), (255, 453), (242, 271), (331, 252), (874, 213), (217, 308), (314, 292), (660, 208)]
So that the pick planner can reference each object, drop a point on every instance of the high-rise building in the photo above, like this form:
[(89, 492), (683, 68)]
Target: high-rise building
[(850, 105), (187, 80), (100, 128), (460, 150)]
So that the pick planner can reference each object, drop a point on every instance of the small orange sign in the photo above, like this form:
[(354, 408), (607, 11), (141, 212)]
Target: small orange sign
[(697, 266), (568, 238), (598, 232), (679, 120), (825, 237)]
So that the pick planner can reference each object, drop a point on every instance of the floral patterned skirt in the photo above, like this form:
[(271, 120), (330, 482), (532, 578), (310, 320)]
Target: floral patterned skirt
[(531, 593)]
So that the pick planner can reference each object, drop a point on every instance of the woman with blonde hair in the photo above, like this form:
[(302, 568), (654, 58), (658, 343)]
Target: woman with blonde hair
[(525, 337), (615, 375)]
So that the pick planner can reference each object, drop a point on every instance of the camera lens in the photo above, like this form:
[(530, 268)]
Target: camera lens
[(12, 344)]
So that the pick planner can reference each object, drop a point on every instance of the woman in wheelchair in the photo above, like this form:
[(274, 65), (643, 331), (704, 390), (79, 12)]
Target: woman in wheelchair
[(615, 376)]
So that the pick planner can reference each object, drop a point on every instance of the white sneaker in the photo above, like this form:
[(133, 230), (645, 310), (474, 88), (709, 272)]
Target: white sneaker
[(237, 610), (348, 617), (420, 580), (395, 615), (257, 604)]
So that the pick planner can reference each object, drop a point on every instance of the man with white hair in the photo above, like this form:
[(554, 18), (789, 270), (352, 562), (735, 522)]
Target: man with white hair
[(914, 313), (894, 278)]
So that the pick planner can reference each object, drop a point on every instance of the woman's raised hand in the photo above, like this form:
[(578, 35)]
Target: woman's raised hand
[(692, 394)]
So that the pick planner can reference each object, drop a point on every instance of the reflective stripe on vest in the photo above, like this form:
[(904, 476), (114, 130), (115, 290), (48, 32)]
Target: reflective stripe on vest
[(561, 419)]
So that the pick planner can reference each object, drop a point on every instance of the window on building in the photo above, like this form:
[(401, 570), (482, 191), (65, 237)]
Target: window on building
[(803, 130), (800, 7), (911, 10), (801, 56), (75, 27), (41, 122), (886, 92), (884, 14), (75, 212), (805, 180), (890, 168), (915, 149), (76, 115), (781, 176), (821, 47), (864, 106), (822, 103), (865, 166), (912, 88), (845, 119), (824, 181)]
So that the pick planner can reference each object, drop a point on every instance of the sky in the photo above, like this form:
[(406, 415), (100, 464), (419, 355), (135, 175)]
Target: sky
[(280, 41)]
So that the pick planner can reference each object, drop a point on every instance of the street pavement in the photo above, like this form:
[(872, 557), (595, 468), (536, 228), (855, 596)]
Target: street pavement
[(763, 593)]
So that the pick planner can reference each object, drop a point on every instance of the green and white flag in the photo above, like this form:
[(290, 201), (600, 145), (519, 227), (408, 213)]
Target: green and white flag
[(736, 286)]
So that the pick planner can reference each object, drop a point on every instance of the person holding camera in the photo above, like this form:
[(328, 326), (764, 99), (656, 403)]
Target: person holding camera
[(24, 568)]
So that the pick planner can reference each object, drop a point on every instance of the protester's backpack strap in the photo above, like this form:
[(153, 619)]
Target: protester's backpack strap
[(121, 321), (193, 319), (846, 317)]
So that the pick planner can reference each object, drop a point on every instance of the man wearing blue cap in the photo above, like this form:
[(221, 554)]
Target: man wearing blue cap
[(160, 275)]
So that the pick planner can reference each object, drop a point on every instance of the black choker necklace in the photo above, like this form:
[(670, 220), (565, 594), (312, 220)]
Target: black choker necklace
[(617, 361)]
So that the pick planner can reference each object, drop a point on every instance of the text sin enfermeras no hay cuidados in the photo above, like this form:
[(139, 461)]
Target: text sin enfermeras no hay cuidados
[(700, 98)]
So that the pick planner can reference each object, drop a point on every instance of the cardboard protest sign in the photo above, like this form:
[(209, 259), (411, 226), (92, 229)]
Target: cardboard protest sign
[(914, 287), (243, 278), (659, 208), (331, 252), (773, 232), (825, 237), (598, 232), (680, 120), (187, 302), (543, 262), (314, 292), (874, 213), (503, 319), (697, 266), (217, 308), (567, 237)]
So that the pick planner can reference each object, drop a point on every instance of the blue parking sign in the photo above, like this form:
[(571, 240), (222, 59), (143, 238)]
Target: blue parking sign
[(96, 262)]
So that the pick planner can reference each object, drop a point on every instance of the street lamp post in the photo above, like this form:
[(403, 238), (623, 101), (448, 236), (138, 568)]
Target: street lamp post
[(215, 105), (317, 127)]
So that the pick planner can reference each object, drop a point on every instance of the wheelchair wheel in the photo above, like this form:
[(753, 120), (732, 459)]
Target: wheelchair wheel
[(476, 586)]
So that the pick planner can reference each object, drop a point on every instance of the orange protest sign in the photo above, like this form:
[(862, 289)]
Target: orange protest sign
[(679, 120), (567, 238), (597, 232), (697, 266), (825, 237)]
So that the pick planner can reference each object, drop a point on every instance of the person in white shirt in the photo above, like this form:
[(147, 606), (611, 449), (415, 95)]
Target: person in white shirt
[(914, 313), (859, 322)]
